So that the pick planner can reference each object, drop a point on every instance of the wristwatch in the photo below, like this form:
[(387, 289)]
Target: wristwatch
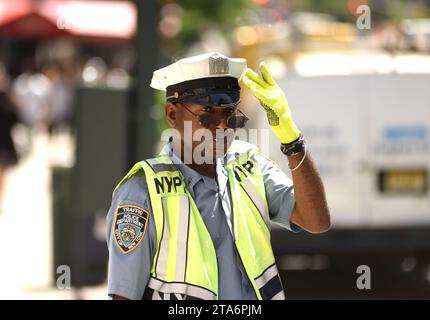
[(293, 148)]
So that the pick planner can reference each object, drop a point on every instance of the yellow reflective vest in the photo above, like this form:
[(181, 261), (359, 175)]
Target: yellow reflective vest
[(185, 261)]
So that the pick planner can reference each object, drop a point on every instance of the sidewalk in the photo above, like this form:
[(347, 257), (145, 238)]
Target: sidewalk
[(26, 226)]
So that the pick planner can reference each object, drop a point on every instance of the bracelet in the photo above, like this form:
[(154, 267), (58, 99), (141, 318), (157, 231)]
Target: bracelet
[(294, 147), (301, 161)]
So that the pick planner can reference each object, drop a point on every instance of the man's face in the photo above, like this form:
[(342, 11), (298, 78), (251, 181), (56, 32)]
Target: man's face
[(185, 119)]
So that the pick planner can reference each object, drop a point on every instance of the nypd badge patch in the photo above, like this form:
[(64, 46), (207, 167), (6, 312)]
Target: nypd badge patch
[(129, 227)]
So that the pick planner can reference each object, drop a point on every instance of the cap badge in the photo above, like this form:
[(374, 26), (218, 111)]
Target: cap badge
[(218, 65)]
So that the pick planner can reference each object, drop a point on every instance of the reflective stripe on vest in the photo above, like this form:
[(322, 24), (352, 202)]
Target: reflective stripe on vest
[(185, 261)]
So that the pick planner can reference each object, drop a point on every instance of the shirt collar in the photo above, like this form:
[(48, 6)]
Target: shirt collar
[(191, 177)]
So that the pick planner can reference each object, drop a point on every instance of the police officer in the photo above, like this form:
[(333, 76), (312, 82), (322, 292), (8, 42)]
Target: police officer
[(194, 222)]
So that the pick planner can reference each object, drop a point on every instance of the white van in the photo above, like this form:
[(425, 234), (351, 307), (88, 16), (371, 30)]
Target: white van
[(370, 138)]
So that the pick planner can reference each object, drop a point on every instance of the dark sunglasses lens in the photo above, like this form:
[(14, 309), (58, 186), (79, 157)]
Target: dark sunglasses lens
[(236, 122), (209, 121)]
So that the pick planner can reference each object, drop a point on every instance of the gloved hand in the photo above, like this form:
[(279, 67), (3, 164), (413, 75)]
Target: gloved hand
[(273, 100)]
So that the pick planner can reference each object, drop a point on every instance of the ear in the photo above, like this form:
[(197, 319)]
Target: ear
[(171, 113)]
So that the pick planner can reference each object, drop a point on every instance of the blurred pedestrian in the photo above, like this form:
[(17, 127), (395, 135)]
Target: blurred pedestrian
[(8, 155), (59, 98)]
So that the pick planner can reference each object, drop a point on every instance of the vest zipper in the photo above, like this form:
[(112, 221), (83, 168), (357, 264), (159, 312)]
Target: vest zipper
[(213, 246)]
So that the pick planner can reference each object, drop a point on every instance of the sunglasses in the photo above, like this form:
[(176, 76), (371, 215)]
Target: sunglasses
[(212, 121)]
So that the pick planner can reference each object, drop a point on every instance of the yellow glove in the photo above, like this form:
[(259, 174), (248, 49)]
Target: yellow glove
[(273, 100)]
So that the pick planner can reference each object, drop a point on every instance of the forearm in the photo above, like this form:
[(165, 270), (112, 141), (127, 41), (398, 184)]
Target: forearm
[(311, 211)]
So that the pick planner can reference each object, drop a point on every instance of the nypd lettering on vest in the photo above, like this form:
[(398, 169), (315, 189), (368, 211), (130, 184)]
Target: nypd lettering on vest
[(166, 184), (239, 170)]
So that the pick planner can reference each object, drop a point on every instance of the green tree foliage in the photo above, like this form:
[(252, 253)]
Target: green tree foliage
[(337, 8), (382, 10), (199, 15)]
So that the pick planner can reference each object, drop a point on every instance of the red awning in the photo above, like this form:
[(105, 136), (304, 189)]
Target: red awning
[(96, 20), (10, 10)]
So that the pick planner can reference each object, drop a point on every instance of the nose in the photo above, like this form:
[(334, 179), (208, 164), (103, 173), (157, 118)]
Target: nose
[(223, 115), (223, 123)]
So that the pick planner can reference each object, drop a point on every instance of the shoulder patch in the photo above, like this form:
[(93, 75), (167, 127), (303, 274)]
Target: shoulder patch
[(129, 227)]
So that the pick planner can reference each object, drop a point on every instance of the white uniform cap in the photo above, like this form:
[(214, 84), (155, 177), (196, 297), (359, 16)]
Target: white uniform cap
[(206, 65)]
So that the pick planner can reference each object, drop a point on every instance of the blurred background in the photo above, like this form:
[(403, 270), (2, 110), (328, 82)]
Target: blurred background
[(76, 111)]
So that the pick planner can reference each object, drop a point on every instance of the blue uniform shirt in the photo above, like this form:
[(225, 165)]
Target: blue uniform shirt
[(129, 273)]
